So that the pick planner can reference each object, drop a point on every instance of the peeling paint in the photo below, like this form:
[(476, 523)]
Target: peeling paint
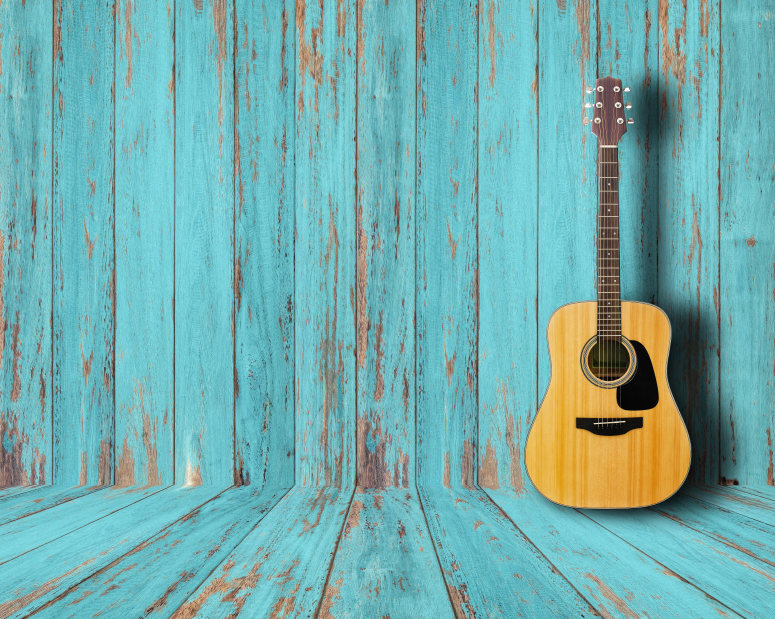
[(618, 602), (488, 472), (128, 41)]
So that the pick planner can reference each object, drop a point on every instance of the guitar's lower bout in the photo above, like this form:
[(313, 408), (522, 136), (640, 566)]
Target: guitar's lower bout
[(573, 462)]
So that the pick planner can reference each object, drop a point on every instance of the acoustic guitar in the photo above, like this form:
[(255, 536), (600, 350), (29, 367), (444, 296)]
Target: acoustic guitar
[(608, 433)]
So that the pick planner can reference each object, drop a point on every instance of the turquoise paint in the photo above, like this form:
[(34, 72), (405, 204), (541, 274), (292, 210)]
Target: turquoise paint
[(40, 499), (204, 248), (145, 242), (25, 242), (83, 253)]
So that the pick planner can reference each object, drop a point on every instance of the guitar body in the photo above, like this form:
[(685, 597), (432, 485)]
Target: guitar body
[(639, 452)]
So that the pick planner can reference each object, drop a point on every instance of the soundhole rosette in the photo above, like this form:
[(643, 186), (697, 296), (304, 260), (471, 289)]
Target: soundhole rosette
[(612, 371)]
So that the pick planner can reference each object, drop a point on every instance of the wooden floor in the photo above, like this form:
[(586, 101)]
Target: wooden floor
[(428, 552)]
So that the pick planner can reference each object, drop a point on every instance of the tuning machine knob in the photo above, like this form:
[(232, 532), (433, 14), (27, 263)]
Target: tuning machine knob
[(588, 105), (590, 90), (630, 121), (626, 89), (628, 105), (585, 120)]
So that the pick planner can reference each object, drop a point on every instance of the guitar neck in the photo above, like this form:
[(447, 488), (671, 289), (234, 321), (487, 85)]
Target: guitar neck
[(609, 308)]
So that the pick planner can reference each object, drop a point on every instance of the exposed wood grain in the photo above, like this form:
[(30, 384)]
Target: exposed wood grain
[(688, 218), (731, 576), (26, 534), (732, 499), (490, 568), (325, 243), (280, 568), (145, 220), (616, 578), (25, 243), (447, 273), (46, 572), (385, 564), (156, 577), (204, 250), (508, 202), (84, 260), (747, 245), (11, 491), (39, 500)]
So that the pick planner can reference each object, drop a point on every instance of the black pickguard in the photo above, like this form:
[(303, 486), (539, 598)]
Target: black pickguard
[(641, 392)]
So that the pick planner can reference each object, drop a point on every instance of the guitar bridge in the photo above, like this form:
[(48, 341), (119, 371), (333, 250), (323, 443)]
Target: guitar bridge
[(609, 426)]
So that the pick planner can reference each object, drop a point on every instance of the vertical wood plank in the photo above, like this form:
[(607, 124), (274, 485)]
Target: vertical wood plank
[(629, 51), (567, 165), (204, 227), (325, 243), (447, 275), (25, 242), (84, 260), (145, 268), (263, 277), (385, 229), (747, 248), (508, 202), (688, 219)]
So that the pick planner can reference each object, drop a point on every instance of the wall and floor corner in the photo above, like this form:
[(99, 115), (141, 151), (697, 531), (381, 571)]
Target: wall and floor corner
[(279, 275)]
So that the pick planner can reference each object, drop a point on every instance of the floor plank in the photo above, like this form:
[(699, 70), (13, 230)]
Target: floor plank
[(620, 581), (10, 491), (22, 536), (41, 575), (41, 498), (280, 568), (729, 575), (762, 492), (491, 569), (385, 564), (739, 502), (156, 577)]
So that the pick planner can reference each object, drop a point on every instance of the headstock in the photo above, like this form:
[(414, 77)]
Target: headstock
[(608, 122)]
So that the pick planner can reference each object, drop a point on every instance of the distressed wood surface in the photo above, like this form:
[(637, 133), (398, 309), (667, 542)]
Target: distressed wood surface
[(385, 563), (688, 219), (325, 243), (446, 248), (741, 503), (145, 242), (731, 576), (766, 492), (25, 243), (280, 569), (204, 247), (747, 244), (264, 243), (11, 491), (25, 534), (507, 233), (39, 500), (156, 577), (83, 254), (385, 227), (43, 574), (490, 568), (616, 578)]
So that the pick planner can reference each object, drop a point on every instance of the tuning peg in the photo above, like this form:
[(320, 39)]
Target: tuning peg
[(630, 121), (628, 105), (588, 105), (626, 89), (585, 120), (590, 90)]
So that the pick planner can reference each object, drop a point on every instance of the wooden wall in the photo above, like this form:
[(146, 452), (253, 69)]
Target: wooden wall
[(253, 243)]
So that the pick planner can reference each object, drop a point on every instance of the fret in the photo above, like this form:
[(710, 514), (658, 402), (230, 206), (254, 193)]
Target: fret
[(609, 315)]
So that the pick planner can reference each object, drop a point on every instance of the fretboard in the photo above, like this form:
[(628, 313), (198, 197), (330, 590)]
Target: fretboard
[(609, 308)]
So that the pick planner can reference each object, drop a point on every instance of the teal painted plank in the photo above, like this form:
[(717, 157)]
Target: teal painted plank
[(446, 272), (25, 243), (46, 572), (629, 51), (145, 141), (731, 576), (618, 580), (385, 228), (750, 536), (688, 219), (490, 568), (325, 243), (204, 228), (264, 323), (40, 499), (567, 165), (765, 492), (741, 503), (11, 491), (22, 536), (280, 568), (747, 251), (84, 260), (508, 203), (156, 577), (385, 565)]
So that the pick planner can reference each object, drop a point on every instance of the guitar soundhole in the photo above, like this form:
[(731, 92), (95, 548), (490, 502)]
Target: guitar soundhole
[(608, 360)]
